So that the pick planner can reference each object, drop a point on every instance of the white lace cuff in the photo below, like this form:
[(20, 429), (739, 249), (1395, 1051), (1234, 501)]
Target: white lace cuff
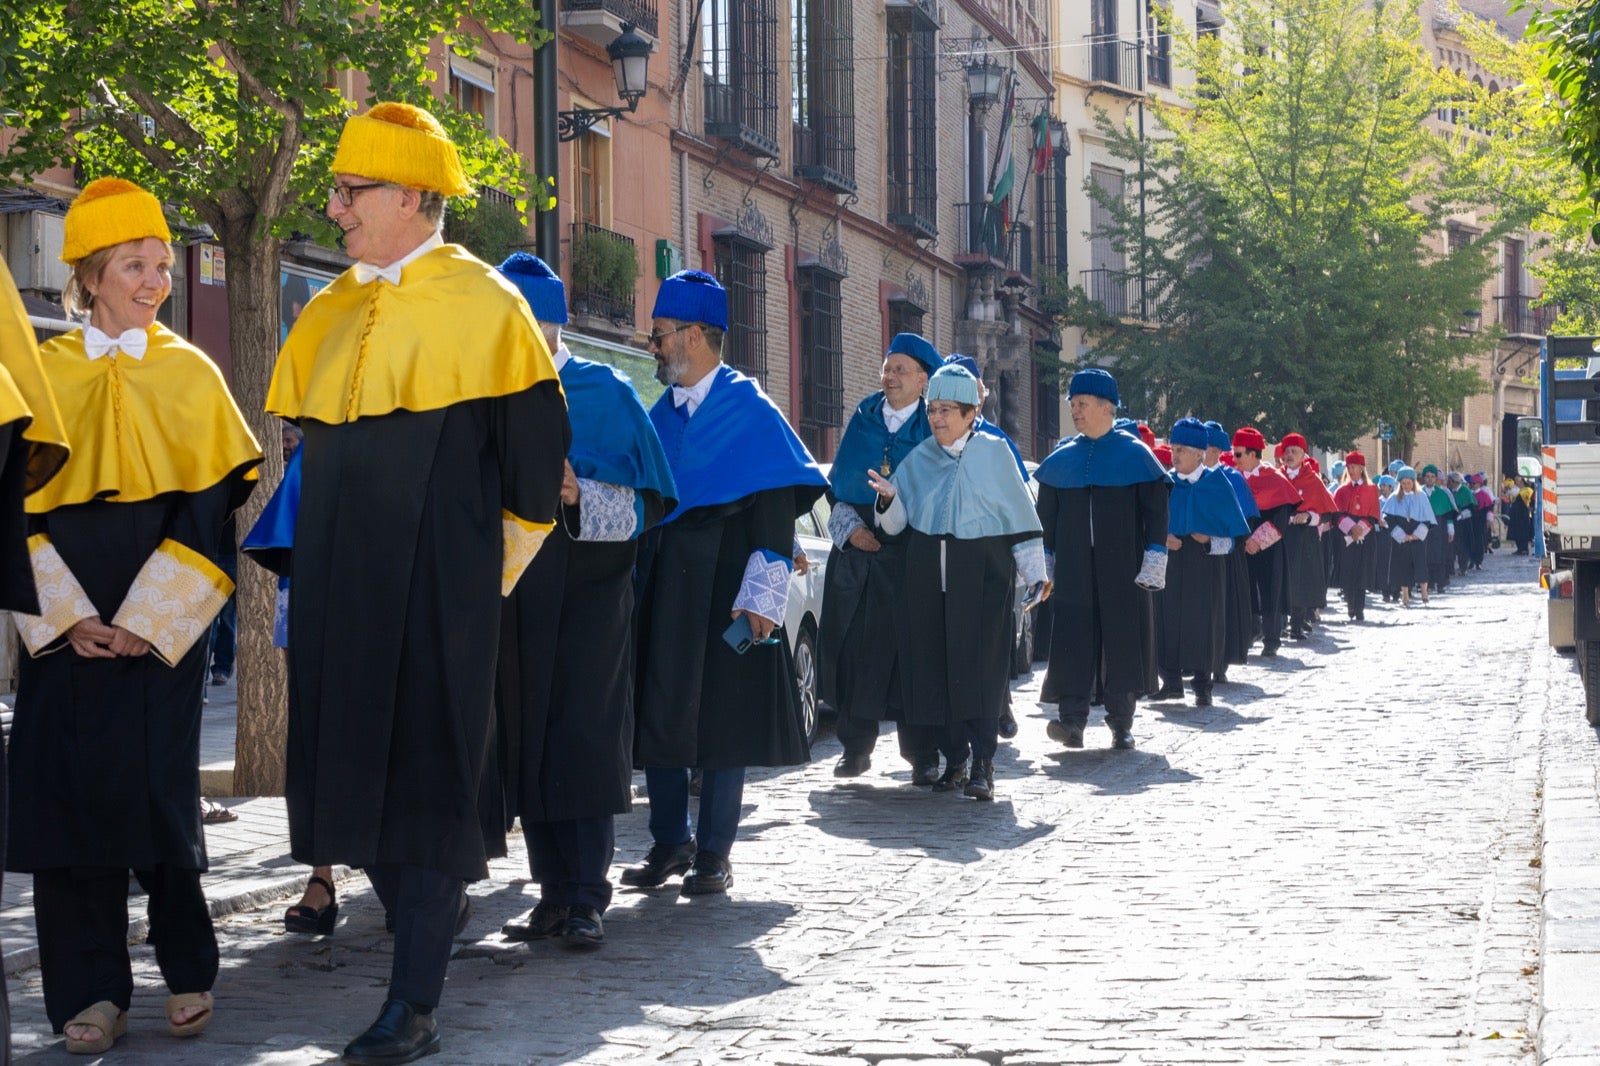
[(1029, 556), (173, 600), (843, 521), (607, 511), (1153, 574), (765, 589), (1221, 545), (62, 601)]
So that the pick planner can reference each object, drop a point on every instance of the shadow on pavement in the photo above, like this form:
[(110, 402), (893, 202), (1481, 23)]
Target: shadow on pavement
[(1214, 719), (940, 825), (1116, 773)]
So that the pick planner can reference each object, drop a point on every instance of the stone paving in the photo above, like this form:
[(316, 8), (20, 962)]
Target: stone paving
[(1343, 861)]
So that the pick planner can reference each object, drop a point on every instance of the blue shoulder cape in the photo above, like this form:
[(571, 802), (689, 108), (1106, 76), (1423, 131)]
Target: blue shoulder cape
[(271, 539), (737, 444), (613, 439), (1114, 459), (1241, 489), (976, 494), (983, 425), (867, 444), (1208, 506)]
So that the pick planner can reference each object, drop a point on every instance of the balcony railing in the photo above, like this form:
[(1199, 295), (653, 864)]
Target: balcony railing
[(982, 231), (641, 13), (595, 290), (1521, 318), (1120, 293), (1118, 63)]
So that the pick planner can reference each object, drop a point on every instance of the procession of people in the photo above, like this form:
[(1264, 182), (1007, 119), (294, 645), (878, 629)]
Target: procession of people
[(514, 585)]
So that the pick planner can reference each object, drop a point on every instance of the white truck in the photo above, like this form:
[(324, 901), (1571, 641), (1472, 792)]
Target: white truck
[(1568, 495)]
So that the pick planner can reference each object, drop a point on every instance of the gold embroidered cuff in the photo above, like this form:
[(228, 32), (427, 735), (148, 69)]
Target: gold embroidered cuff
[(522, 542), (173, 600), (62, 601)]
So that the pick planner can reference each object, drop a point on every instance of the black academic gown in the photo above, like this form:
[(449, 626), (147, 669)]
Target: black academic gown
[(395, 624), (564, 689), (1305, 570), (105, 753), (1103, 637), (1191, 611), (1267, 577), (698, 702), (858, 675), (955, 644), (1238, 618)]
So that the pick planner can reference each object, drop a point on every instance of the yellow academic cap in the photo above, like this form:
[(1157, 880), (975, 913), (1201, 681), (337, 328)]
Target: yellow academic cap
[(403, 144), (108, 212)]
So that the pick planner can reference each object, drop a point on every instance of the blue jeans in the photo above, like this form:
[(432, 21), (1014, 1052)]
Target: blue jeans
[(721, 797)]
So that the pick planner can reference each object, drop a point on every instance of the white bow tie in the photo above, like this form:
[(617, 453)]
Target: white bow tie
[(366, 272), (100, 344), (681, 395)]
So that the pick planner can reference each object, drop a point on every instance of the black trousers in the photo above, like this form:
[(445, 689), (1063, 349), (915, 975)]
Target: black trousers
[(82, 918), (917, 742), (425, 904), (1119, 711), (571, 860)]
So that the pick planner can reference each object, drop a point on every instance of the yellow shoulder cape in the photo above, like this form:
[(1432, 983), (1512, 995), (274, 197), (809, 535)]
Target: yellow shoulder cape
[(142, 427), (453, 330), (24, 392)]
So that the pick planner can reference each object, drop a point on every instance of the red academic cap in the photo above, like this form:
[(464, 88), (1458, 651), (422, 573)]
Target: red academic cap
[(1249, 437), (1295, 440), (1147, 435), (1355, 459)]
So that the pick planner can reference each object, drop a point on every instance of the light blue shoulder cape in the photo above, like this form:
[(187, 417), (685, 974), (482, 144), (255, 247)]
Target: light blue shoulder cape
[(975, 494)]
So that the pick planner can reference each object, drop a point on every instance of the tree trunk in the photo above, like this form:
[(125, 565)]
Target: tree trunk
[(263, 715)]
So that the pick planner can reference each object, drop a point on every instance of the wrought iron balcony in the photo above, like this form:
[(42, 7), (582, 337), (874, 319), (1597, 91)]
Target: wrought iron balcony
[(1521, 319), (598, 291), (1117, 63), (601, 20), (1122, 294)]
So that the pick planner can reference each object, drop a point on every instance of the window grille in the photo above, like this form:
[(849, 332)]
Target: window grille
[(912, 143), (739, 61), (821, 348), (823, 86), (741, 267)]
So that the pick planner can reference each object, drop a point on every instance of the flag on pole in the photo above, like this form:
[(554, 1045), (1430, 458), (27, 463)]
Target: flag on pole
[(1041, 141), (1003, 174)]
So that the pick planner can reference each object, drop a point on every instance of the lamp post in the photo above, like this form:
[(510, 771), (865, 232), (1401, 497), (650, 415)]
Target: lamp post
[(984, 75), (630, 67), (1060, 149)]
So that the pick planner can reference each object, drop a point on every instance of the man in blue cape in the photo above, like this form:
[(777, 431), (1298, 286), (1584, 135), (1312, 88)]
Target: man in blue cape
[(1103, 504), (859, 671), (564, 691), (1203, 521), (708, 694)]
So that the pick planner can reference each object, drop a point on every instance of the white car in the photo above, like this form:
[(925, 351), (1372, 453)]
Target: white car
[(804, 612)]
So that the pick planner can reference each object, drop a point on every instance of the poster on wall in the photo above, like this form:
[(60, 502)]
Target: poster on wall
[(296, 286)]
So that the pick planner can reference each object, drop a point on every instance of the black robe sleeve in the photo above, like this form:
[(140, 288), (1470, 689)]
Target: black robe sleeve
[(531, 435)]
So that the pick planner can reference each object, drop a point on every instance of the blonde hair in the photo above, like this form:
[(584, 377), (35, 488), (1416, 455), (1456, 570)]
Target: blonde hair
[(77, 299)]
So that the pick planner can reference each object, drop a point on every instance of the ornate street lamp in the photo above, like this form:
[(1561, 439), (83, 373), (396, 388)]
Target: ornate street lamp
[(630, 67), (983, 82)]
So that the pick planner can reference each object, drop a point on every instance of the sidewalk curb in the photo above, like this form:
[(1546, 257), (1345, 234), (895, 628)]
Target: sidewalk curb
[(259, 895)]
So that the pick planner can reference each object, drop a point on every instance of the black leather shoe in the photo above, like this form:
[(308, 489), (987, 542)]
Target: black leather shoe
[(1008, 724), (955, 777), (1070, 735), (852, 765), (1202, 699), (925, 772), (543, 922), (1220, 677), (661, 862), (584, 928), (709, 876), (1269, 651), (1122, 741), (463, 913), (980, 786), (399, 1035), (1168, 692)]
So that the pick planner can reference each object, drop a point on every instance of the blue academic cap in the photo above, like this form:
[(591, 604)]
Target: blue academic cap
[(1094, 382), (965, 362), (540, 286), (1217, 437), (953, 383), (693, 296), (1189, 432), (917, 347)]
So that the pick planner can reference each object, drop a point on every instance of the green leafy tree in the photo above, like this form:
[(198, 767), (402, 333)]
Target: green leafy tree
[(1284, 264), (230, 113), (1569, 34)]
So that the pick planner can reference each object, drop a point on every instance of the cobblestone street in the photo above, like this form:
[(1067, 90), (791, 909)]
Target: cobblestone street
[(1340, 862)]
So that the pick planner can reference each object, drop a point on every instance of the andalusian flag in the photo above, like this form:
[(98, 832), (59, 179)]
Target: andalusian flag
[(1004, 172), (1041, 141)]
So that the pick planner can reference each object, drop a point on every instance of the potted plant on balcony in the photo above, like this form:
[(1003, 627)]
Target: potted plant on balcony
[(604, 271)]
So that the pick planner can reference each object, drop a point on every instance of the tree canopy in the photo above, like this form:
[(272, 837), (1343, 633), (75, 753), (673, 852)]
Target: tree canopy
[(1289, 245)]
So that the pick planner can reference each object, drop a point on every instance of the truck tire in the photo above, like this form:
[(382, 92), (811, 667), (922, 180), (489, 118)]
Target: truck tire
[(1589, 651)]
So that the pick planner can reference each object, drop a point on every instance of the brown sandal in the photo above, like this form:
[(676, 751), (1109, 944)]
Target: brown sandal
[(196, 1025), (110, 1019)]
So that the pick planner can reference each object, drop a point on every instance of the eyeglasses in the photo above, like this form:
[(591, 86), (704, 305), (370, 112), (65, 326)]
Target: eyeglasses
[(658, 335), (346, 194)]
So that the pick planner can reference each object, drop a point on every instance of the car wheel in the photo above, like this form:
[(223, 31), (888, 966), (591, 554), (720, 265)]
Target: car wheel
[(805, 676)]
